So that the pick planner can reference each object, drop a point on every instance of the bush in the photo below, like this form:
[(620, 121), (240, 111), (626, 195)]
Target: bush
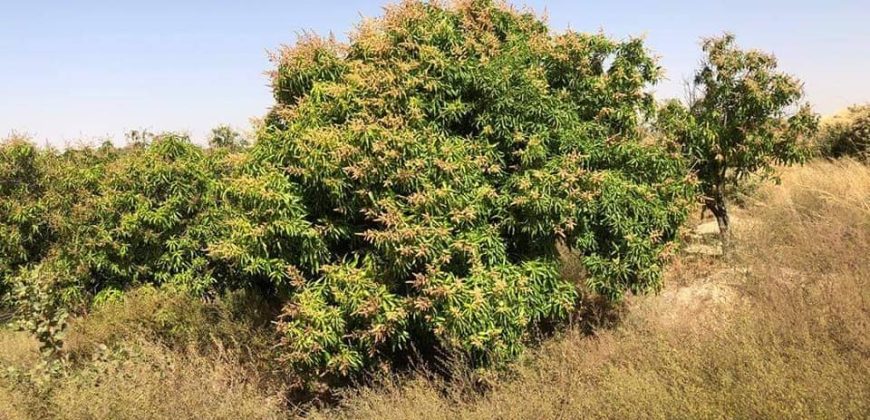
[(99, 221), (442, 155), (150, 223), (23, 228), (847, 134), (779, 331)]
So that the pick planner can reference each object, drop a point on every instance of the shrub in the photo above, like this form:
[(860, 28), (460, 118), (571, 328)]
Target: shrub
[(41, 308), (441, 155), (847, 134), (105, 220), (779, 331), (141, 215), (23, 229)]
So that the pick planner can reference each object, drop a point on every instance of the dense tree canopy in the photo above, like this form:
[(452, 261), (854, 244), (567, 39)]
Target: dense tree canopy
[(22, 222), (443, 153)]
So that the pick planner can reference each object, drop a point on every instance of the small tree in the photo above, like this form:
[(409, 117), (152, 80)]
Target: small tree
[(742, 117), (225, 136), (139, 138)]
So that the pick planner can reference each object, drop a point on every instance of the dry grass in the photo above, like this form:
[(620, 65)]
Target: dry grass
[(779, 330), (16, 350), (150, 382), (153, 355), (146, 381), (174, 319)]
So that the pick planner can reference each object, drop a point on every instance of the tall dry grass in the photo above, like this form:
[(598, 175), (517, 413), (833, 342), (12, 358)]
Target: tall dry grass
[(778, 330), (155, 354), (151, 382), (144, 381)]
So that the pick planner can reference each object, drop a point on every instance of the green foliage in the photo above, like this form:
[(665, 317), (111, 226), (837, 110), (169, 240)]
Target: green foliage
[(262, 235), (148, 220), (743, 117), (223, 136), (23, 230), (90, 221), (346, 301), (847, 134), (115, 218), (41, 308), (442, 154)]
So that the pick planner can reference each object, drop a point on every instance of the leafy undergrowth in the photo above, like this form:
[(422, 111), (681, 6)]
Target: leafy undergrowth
[(778, 328)]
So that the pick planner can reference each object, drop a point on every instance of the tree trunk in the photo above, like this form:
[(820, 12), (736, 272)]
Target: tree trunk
[(716, 204)]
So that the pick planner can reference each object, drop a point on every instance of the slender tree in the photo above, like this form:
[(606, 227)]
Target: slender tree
[(742, 117)]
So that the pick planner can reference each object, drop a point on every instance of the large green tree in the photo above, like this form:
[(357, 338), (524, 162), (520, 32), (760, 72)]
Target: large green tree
[(443, 153), (742, 117)]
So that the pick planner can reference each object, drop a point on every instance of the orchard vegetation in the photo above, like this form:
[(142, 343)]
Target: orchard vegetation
[(414, 194), (743, 116), (846, 134)]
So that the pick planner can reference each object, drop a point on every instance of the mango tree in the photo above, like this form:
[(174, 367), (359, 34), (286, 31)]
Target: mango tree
[(743, 116)]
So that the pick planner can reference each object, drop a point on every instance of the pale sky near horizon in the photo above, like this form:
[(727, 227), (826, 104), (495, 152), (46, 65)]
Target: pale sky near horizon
[(86, 70)]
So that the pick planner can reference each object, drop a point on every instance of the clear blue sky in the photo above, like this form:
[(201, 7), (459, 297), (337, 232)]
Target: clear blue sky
[(90, 69)]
